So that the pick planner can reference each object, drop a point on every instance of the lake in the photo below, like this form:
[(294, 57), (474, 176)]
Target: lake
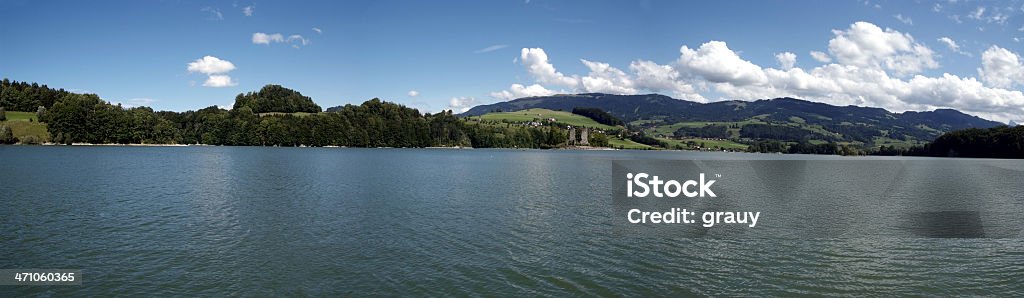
[(217, 221)]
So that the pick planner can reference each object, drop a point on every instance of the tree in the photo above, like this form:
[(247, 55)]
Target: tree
[(3, 114), (40, 112), (6, 135)]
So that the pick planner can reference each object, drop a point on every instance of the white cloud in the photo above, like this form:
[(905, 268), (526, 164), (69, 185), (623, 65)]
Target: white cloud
[(249, 10), (786, 60), (604, 78), (216, 69), (212, 13), (263, 38), (460, 104), (821, 57), (491, 48), (866, 45), (219, 81), (210, 65), (952, 45), (903, 19), (520, 91), (978, 13), (298, 38), (662, 78), (536, 61), (716, 63), (318, 30), (295, 39), (870, 69), (1001, 68), (413, 93), (995, 17)]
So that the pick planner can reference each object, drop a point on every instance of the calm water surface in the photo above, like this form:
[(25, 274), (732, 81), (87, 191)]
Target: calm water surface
[(215, 221)]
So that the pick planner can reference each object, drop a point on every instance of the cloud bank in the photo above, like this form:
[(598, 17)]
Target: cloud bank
[(865, 65)]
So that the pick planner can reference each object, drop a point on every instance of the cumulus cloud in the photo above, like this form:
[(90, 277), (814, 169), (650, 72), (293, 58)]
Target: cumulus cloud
[(536, 61), (210, 65), (716, 63), (655, 77), (216, 70), (1001, 68), (786, 60), (460, 104), (871, 68), (413, 93), (219, 81), (604, 78), (264, 38), (821, 57), (520, 91), (249, 10), (864, 44)]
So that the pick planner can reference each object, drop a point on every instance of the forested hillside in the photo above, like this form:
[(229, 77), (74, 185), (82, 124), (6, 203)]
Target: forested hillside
[(274, 98), (273, 116), (663, 115)]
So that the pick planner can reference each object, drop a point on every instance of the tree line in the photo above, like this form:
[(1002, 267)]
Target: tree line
[(707, 131), (598, 115), (86, 118), (25, 97)]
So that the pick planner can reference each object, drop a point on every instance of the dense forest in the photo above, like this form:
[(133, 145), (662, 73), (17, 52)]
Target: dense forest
[(598, 115), (22, 96), (267, 118), (778, 132), (274, 98), (996, 142), (707, 131)]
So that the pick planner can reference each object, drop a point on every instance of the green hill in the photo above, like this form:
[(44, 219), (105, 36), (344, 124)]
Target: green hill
[(783, 119), (274, 98), (25, 127), (540, 115)]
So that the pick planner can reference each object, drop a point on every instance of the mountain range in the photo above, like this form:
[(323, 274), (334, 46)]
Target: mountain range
[(824, 121)]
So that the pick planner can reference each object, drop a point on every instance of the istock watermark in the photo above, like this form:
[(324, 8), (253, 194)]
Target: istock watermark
[(818, 198)]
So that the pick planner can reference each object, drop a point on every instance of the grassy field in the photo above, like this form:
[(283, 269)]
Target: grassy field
[(615, 142), (880, 141), (24, 124), (21, 116), (532, 114), (713, 144)]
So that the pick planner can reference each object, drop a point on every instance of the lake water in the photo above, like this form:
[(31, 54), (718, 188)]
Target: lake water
[(216, 221)]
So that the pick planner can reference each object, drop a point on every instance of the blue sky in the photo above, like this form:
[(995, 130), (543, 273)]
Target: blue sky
[(455, 54)]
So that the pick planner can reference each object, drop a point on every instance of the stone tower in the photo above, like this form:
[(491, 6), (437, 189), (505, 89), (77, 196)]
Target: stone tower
[(583, 137), (572, 136)]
